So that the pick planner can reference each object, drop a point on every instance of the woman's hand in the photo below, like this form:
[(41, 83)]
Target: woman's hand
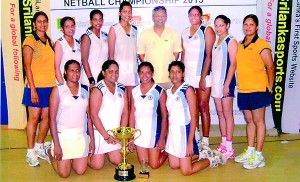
[(161, 144), (226, 91), (34, 96), (91, 148), (58, 152), (202, 84), (189, 149)]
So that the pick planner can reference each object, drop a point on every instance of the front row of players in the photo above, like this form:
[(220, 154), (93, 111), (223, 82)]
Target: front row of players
[(80, 139)]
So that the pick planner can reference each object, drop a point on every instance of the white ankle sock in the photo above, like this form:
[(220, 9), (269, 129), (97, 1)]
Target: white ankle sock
[(38, 146), (229, 145), (251, 150), (30, 150), (205, 140), (224, 140), (258, 154)]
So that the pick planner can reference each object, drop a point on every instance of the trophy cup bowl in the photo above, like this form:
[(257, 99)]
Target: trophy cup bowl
[(125, 170)]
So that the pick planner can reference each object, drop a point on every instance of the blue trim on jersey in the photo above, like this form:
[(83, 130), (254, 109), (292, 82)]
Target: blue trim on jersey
[(121, 88), (195, 146), (156, 113), (202, 51), (182, 95), (233, 81)]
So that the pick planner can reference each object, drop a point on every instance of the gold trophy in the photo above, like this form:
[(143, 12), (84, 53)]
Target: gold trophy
[(124, 171)]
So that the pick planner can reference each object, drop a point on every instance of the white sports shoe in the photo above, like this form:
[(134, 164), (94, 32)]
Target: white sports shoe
[(205, 153), (47, 146), (244, 156), (254, 162), (217, 159), (32, 160)]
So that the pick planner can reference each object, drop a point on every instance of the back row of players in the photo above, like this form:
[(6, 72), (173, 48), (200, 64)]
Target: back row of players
[(151, 108)]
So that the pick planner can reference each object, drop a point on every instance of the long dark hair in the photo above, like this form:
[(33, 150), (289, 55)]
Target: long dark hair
[(105, 66)]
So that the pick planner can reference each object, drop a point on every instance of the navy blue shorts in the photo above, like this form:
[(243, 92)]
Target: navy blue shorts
[(254, 100), (43, 93)]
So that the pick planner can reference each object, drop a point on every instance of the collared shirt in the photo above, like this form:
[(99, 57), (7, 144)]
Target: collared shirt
[(251, 72), (42, 64), (159, 51)]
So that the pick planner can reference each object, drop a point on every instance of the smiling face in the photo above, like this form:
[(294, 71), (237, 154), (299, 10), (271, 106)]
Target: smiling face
[(69, 28), (97, 21), (250, 27), (220, 27), (126, 13), (176, 75), (41, 23), (159, 18), (195, 17), (111, 74), (145, 74), (73, 72)]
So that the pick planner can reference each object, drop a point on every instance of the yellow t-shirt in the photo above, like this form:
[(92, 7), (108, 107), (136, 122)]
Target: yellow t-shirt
[(251, 72), (159, 51), (42, 65)]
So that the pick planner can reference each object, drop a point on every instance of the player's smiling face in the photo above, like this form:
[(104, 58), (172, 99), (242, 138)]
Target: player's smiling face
[(69, 28), (145, 74), (73, 72), (126, 13), (97, 21), (195, 17), (111, 74)]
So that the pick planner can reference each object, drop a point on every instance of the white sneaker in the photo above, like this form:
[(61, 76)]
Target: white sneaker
[(206, 153), (243, 157), (47, 146), (32, 159), (40, 152), (254, 162), (217, 159)]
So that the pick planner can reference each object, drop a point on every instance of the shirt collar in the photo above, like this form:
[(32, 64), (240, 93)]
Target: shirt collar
[(252, 41)]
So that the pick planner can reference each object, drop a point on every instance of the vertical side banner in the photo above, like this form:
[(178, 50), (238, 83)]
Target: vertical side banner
[(284, 12), (267, 14), (12, 59), (291, 114)]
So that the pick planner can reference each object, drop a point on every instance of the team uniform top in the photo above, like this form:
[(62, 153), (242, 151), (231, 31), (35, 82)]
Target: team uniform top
[(98, 54), (194, 55), (71, 112), (251, 73), (126, 55), (69, 52), (110, 113), (42, 64), (179, 122), (159, 50), (147, 115), (72, 122), (220, 66)]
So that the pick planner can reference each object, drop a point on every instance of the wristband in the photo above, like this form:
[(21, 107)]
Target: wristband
[(91, 80), (107, 137)]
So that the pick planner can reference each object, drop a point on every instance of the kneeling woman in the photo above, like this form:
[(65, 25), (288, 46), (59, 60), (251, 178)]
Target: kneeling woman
[(68, 121), (183, 117), (109, 110), (149, 114)]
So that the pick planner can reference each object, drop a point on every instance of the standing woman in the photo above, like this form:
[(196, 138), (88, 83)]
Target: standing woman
[(197, 43), (183, 118), (149, 114), (38, 57), (68, 124), (66, 48), (122, 46), (109, 110), (255, 73), (223, 82), (94, 49)]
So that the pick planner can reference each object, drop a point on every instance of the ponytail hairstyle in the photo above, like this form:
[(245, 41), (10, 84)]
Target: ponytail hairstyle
[(124, 3), (105, 66), (224, 18)]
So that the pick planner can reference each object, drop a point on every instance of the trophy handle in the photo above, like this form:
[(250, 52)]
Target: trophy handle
[(136, 137), (113, 138)]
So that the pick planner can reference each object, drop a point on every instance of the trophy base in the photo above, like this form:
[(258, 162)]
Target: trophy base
[(124, 175), (144, 175)]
